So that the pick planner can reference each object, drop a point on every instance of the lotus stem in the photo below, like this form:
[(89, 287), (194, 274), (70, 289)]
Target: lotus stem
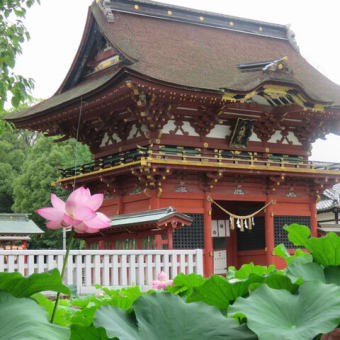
[(69, 244)]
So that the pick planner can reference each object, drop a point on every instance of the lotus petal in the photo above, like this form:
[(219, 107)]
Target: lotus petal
[(162, 276), (54, 224), (100, 221), (71, 221), (96, 201), (51, 214), (83, 213), (57, 202)]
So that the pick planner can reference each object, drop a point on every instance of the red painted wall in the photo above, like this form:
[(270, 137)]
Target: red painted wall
[(195, 202), (258, 257)]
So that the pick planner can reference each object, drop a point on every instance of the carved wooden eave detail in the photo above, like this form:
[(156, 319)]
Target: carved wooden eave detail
[(206, 119), (312, 129), (319, 185), (151, 178), (274, 183), (150, 111), (212, 178), (87, 133), (109, 185), (269, 122), (113, 125)]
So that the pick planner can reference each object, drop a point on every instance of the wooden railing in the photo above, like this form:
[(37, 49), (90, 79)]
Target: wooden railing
[(197, 155), (107, 268)]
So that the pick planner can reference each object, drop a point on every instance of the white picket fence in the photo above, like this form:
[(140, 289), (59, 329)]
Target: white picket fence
[(107, 268)]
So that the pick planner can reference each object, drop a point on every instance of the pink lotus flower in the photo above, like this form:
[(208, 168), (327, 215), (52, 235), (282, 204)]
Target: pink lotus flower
[(100, 293), (162, 281), (79, 212)]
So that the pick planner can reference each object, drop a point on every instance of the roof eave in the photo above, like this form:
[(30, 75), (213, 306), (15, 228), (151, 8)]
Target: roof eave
[(75, 62)]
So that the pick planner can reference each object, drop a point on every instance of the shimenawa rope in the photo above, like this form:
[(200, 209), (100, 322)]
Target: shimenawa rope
[(246, 221)]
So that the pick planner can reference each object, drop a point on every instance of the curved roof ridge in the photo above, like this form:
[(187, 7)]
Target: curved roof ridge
[(197, 17), (199, 11)]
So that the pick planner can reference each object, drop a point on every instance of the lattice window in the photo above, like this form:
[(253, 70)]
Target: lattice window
[(280, 235), (252, 239), (94, 246), (148, 242), (190, 237)]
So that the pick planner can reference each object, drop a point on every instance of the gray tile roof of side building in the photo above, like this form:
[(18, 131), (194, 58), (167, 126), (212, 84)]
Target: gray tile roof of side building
[(148, 217), (330, 199), (18, 224)]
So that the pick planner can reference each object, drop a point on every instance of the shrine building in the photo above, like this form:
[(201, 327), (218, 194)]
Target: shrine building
[(16, 230), (200, 125)]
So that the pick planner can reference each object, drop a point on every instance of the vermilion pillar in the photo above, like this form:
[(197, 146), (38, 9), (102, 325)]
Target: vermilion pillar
[(269, 231), (154, 204), (120, 205), (139, 243), (208, 241), (170, 238), (313, 219)]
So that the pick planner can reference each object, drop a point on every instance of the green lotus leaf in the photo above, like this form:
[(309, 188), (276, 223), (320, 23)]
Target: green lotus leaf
[(299, 255), (23, 318), (88, 333), (125, 297), (167, 317), (298, 234), (332, 275), (250, 268), (219, 292), (85, 310), (20, 286), (64, 312), (184, 284), (305, 271), (325, 250), (277, 314), (279, 281)]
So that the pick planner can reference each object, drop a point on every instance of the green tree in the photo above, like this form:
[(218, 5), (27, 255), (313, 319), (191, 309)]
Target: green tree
[(32, 188), (13, 34), (14, 145)]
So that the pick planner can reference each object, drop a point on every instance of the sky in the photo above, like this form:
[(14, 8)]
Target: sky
[(56, 27)]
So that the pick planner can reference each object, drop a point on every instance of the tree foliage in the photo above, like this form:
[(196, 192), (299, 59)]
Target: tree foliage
[(31, 188), (12, 155), (29, 163), (13, 34)]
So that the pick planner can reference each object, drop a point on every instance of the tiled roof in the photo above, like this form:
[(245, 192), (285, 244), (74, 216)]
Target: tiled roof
[(18, 224), (148, 217), (192, 49), (66, 97), (201, 56), (171, 12), (330, 199)]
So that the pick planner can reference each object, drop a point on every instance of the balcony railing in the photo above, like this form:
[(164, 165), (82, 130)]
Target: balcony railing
[(213, 157), (106, 162)]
